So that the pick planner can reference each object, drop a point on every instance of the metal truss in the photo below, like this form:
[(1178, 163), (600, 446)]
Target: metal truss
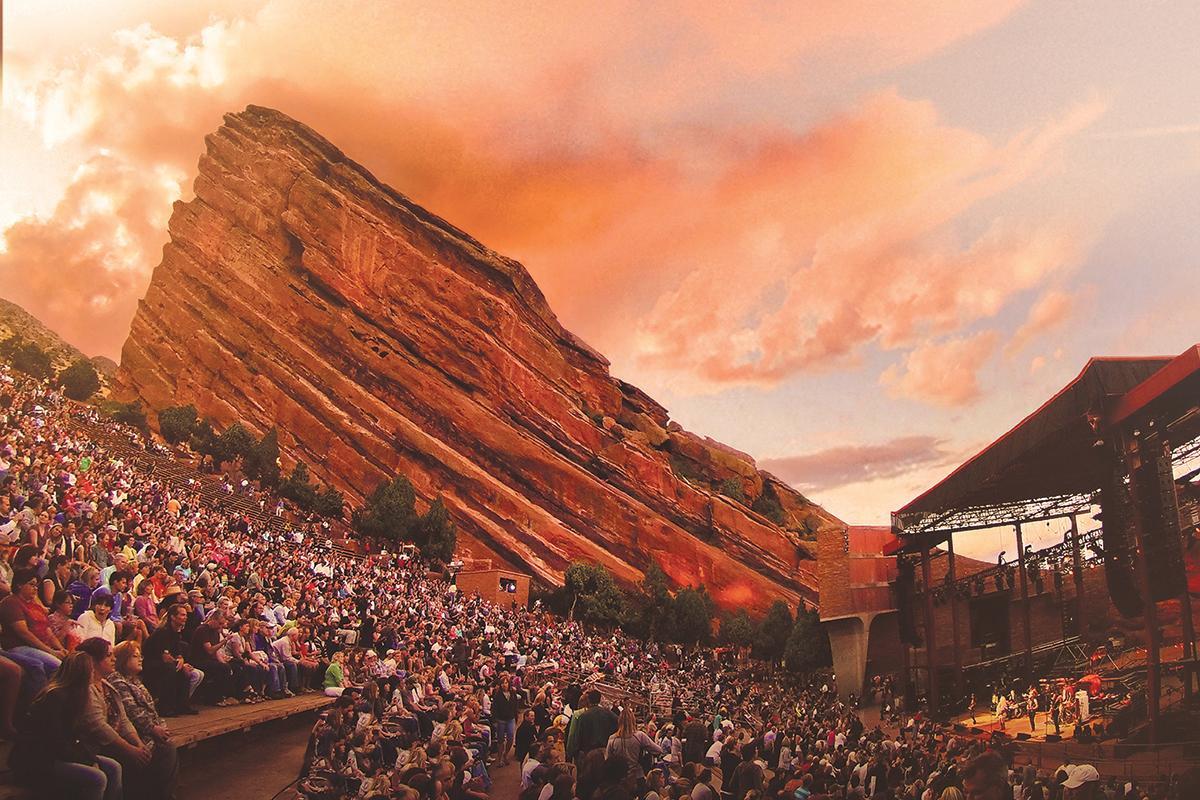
[(1057, 558), (991, 516)]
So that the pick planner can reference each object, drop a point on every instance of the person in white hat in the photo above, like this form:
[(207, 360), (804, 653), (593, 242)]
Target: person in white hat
[(1082, 783)]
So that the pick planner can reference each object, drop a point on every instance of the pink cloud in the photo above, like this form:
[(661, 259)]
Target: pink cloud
[(943, 372), (851, 464), (568, 139), (1048, 312)]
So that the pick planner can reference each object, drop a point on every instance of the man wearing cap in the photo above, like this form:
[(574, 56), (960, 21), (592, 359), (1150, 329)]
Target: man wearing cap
[(1082, 783)]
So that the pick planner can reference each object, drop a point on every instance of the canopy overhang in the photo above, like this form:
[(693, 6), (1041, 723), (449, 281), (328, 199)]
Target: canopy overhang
[(1052, 463)]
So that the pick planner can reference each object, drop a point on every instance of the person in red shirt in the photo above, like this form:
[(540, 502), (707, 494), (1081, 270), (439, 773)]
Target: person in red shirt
[(25, 632)]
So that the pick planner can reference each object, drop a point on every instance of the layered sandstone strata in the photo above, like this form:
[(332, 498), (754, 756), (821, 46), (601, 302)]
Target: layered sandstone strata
[(298, 291)]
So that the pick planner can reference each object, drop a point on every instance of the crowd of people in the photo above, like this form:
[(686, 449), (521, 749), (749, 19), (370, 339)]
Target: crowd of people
[(129, 600)]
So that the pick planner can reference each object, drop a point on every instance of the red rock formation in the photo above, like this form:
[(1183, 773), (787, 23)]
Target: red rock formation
[(300, 292)]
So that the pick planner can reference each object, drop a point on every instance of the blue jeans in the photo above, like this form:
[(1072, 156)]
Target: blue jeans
[(102, 782), (48, 662), (34, 667)]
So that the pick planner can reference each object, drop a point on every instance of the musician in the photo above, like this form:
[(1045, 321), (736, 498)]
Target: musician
[(1056, 715), (1031, 707), (1002, 710), (971, 707)]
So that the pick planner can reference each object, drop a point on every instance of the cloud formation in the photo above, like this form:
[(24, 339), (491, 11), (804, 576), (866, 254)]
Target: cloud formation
[(852, 464), (627, 177), (944, 372)]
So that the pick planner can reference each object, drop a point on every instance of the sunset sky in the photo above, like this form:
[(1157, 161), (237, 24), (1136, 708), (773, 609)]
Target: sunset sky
[(856, 240)]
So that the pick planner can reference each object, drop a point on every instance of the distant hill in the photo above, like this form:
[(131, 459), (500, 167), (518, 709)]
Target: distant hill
[(14, 319)]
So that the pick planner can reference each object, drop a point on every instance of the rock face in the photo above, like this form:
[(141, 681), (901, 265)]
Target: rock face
[(297, 291)]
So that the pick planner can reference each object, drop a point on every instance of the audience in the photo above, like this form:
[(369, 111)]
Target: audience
[(129, 598)]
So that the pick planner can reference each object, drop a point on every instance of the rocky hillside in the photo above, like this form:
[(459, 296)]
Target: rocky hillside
[(16, 320), (300, 292)]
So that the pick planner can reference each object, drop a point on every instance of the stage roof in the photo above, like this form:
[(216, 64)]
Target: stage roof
[(1048, 464)]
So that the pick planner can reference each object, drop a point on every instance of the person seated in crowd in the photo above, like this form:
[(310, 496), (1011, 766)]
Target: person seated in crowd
[(66, 628), (147, 771), (207, 653), (170, 678), (129, 626), (25, 633), (96, 621), (55, 753), (139, 705), (336, 679)]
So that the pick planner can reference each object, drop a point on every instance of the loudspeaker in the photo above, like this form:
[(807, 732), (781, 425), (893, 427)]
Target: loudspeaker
[(976, 731), (960, 728), (1023, 737), (1154, 486), (1053, 737), (1118, 546), (906, 579)]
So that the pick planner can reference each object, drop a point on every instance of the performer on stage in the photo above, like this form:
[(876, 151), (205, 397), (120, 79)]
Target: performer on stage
[(1002, 710), (971, 707), (1056, 715), (1031, 707)]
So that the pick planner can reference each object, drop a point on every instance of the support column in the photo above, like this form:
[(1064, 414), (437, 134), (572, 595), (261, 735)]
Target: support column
[(1077, 568), (931, 680), (1025, 605), (958, 668), (1189, 643)]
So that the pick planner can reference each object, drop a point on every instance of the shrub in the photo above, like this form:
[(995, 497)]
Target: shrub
[(236, 442), (389, 512), (737, 630), (130, 414), (767, 503), (80, 380), (27, 357), (262, 460), (434, 533), (297, 487), (807, 647), (773, 632), (693, 616), (732, 488), (178, 423), (329, 503), (593, 595)]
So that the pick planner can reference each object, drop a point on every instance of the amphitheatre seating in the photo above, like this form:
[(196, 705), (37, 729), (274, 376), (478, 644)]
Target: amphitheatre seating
[(210, 722), (178, 473)]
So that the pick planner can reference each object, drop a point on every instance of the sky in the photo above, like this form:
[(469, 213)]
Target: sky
[(857, 240)]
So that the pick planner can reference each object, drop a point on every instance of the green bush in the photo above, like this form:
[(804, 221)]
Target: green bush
[(767, 503), (80, 380), (732, 488), (127, 413), (773, 632), (693, 616), (737, 630), (593, 596), (807, 647), (389, 512), (262, 460), (27, 357), (329, 503), (434, 533), (178, 423)]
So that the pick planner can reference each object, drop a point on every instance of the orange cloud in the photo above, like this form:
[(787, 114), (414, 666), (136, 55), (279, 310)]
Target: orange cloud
[(569, 138), (1048, 312), (942, 373)]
